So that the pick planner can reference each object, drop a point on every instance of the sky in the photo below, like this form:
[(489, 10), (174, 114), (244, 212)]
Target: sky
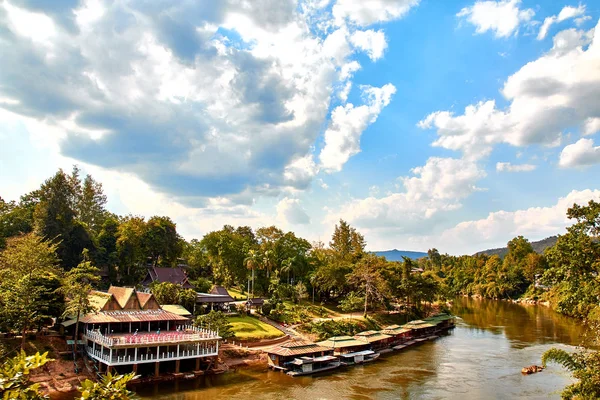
[(450, 124)]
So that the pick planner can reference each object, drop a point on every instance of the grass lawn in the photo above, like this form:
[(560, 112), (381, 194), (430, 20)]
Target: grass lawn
[(249, 328), (236, 294)]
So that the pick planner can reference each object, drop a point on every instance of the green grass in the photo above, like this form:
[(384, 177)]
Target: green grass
[(236, 294), (250, 328)]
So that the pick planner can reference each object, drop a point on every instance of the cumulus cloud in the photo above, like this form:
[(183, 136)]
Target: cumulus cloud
[(197, 99), (567, 12), (500, 226), (368, 12), (439, 185), (508, 167), (289, 211), (501, 17), (580, 154), (342, 137), (371, 42), (547, 96)]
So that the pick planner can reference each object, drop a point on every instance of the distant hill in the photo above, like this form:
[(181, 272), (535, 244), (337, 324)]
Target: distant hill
[(396, 255), (538, 247)]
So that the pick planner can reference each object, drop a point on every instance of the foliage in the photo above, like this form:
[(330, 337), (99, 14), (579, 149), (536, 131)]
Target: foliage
[(585, 367), (25, 261), (173, 293), (366, 276), (216, 321), (202, 285), (352, 302), (110, 387), (13, 377)]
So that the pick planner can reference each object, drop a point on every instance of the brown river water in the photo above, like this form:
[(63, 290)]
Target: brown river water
[(480, 359)]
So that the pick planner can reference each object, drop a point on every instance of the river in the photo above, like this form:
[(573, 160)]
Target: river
[(480, 359)]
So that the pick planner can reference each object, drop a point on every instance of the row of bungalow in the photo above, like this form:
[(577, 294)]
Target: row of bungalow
[(300, 357)]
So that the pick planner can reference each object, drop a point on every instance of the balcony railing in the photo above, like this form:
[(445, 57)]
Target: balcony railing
[(151, 357), (187, 334)]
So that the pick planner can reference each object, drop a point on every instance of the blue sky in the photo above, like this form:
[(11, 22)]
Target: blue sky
[(454, 124)]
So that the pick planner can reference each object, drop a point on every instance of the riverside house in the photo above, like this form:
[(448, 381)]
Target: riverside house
[(131, 332), (378, 340), (345, 344), (282, 355)]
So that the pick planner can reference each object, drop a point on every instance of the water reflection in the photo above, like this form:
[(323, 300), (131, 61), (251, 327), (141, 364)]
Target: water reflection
[(522, 325), (480, 359)]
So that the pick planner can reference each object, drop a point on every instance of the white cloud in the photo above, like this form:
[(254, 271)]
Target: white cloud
[(499, 227), (438, 186), (501, 17), (591, 126), (290, 212), (567, 12), (580, 154), (547, 96), (371, 42), (342, 137), (508, 167), (367, 12)]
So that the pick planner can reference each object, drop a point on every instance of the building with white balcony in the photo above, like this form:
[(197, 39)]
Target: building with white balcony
[(131, 332)]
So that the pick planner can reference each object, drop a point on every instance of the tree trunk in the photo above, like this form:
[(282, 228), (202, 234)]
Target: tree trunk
[(313, 294), (76, 336), (252, 282), (23, 333), (366, 302)]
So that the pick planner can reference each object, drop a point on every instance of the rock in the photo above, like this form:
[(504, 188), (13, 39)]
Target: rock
[(532, 369)]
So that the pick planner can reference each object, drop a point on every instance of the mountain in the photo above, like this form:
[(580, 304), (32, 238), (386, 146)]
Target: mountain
[(538, 247), (396, 255)]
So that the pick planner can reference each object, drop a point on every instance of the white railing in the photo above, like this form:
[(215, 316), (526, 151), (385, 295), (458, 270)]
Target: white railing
[(198, 335), (151, 357)]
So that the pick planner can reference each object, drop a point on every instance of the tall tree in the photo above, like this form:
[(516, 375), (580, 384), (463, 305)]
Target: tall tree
[(367, 277), (22, 263), (91, 204), (76, 288), (347, 243), (131, 250), (163, 244)]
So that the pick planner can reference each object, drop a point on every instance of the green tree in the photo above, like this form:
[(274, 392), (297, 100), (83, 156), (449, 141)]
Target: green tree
[(22, 263), (163, 244), (14, 384), (76, 288), (352, 302), (130, 250), (90, 204), (173, 293), (216, 321), (347, 243), (110, 387), (585, 367), (15, 219)]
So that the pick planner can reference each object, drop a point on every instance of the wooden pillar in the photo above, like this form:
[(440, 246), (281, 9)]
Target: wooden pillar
[(167, 325), (100, 366), (198, 364), (177, 366), (156, 369), (109, 369), (135, 368)]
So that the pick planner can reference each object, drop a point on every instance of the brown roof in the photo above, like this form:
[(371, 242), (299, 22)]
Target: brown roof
[(296, 348), (174, 275), (131, 316), (121, 294), (371, 336), (143, 298), (219, 290)]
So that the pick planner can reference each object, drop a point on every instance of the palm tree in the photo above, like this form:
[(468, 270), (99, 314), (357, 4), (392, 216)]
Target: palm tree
[(288, 266), (252, 262)]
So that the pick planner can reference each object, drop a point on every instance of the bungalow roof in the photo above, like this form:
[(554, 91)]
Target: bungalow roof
[(342, 341)]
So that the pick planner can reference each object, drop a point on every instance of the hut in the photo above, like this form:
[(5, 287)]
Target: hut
[(281, 355), (345, 344), (441, 321), (218, 299), (377, 340), (420, 329), (398, 333), (173, 275)]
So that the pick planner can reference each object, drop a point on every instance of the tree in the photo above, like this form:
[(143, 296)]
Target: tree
[(76, 288), (585, 367), (22, 263), (163, 244), (352, 302), (346, 242), (110, 387), (13, 377), (130, 249), (90, 204), (15, 219), (216, 321), (173, 293), (367, 277), (252, 262)]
